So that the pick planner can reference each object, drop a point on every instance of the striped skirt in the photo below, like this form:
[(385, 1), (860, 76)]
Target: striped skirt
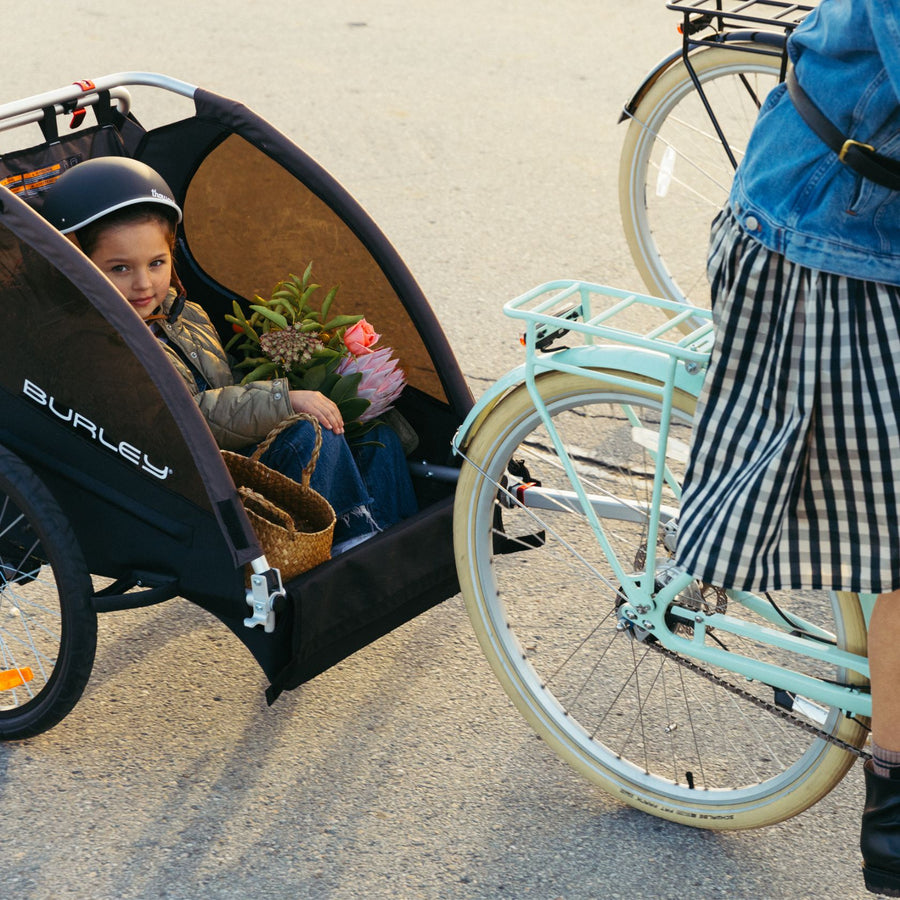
[(794, 472)]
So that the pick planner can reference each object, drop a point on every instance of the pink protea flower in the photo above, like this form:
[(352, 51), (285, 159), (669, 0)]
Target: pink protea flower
[(381, 383)]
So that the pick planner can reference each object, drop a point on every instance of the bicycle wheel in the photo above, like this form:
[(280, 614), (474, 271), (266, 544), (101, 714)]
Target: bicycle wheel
[(48, 628), (668, 736), (674, 173)]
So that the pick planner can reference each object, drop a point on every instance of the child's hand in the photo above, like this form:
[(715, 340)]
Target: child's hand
[(321, 407)]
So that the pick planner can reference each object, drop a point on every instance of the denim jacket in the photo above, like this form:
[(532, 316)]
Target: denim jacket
[(791, 192)]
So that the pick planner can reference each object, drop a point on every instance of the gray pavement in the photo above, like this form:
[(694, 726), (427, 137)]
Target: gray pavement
[(482, 138)]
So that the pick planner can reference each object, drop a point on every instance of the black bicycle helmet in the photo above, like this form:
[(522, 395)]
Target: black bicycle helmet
[(97, 187)]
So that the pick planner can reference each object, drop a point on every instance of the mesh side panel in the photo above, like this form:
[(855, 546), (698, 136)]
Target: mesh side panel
[(249, 222)]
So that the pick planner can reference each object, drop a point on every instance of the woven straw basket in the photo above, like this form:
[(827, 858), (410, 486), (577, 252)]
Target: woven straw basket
[(294, 523)]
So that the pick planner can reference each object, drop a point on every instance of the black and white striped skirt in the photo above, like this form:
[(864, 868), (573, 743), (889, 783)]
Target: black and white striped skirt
[(794, 473)]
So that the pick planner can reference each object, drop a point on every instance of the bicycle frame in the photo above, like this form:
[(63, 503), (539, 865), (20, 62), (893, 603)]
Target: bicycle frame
[(618, 357)]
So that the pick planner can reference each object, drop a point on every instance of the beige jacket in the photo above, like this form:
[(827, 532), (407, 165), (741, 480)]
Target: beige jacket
[(238, 415)]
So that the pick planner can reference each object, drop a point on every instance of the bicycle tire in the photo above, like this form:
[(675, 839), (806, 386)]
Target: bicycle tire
[(674, 174), (604, 700), (48, 627)]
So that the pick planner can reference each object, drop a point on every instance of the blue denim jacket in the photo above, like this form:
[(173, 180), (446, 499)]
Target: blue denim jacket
[(791, 192)]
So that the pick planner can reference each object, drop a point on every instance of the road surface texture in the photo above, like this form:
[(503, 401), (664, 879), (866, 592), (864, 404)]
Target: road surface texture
[(482, 138)]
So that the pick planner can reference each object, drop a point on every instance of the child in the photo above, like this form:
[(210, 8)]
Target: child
[(123, 216)]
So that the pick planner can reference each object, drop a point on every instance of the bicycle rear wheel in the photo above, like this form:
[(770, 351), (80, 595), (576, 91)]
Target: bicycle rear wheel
[(48, 628), (675, 739), (674, 173)]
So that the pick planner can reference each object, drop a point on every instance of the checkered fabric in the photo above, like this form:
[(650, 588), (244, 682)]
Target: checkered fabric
[(795, 459)]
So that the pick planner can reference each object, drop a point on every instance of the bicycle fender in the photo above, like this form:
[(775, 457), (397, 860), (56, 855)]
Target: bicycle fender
[(485, 403), (649, 80), (624, 362), (747, 36)]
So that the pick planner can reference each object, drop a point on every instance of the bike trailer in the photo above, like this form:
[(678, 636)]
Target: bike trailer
[(107, 466)]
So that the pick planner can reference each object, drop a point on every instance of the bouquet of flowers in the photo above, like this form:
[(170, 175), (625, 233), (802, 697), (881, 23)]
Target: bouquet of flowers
[(287, 336)]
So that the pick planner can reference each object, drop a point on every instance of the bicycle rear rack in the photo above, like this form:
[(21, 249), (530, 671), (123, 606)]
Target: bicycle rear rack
[(752, 26), (593, 313), (722, 16)]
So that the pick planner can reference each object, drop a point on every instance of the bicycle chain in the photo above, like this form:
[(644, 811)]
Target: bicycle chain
[(771, 708)]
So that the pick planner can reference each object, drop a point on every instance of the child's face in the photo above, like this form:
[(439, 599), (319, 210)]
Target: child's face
[(137, 260)]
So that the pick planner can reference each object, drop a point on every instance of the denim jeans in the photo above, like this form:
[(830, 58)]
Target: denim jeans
[(369, 487)]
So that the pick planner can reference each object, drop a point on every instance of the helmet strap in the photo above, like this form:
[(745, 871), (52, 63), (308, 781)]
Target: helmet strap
[(177, 307)]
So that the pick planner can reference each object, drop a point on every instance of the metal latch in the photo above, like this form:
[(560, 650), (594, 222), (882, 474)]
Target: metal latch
[(265, 588)]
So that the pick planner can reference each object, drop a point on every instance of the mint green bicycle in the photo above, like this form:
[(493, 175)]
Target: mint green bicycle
[(712, 708)]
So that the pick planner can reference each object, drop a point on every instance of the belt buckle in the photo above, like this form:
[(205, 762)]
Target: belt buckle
[(851, 143)]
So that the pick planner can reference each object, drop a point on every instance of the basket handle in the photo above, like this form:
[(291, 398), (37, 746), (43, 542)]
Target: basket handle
[(283, 426), (254, 501)]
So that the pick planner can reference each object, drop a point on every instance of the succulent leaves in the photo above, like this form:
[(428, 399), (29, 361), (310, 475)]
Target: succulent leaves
[(289, 336)]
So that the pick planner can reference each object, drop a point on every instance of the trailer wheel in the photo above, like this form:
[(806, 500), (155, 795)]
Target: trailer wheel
[(48, 627)]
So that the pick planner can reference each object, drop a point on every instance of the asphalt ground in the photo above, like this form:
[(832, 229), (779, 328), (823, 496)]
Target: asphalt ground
[(482, 138)]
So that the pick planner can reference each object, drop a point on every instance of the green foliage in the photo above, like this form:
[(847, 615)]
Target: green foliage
[(290, 318)]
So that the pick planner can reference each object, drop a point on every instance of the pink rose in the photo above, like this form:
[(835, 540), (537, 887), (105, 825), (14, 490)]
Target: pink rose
[(360, 337)]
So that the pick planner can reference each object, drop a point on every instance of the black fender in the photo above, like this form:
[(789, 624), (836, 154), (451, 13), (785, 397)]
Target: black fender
[(766, 38)]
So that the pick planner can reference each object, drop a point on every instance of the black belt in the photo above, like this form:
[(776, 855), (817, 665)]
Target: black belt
[(860, 157)]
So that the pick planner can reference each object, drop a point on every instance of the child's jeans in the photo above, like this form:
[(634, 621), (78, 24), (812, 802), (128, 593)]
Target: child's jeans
[(369, 487)]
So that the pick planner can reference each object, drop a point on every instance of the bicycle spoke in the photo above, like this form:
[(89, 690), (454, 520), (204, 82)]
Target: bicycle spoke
[(675, 173), (600, 687)]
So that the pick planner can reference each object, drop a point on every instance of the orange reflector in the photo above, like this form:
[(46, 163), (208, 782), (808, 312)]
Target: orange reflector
[(13, 678)]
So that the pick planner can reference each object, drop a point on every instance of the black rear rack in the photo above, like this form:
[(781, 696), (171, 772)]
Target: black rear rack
[(778, 16)]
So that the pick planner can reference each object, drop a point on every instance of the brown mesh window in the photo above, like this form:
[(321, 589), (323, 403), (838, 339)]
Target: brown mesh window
[(249, 223)]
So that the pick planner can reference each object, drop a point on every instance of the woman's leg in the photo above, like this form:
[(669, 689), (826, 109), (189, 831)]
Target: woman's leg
[(880, 834), (884, 666)]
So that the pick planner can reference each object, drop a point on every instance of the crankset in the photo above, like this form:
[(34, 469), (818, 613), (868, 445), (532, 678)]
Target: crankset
[(702, 599)]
